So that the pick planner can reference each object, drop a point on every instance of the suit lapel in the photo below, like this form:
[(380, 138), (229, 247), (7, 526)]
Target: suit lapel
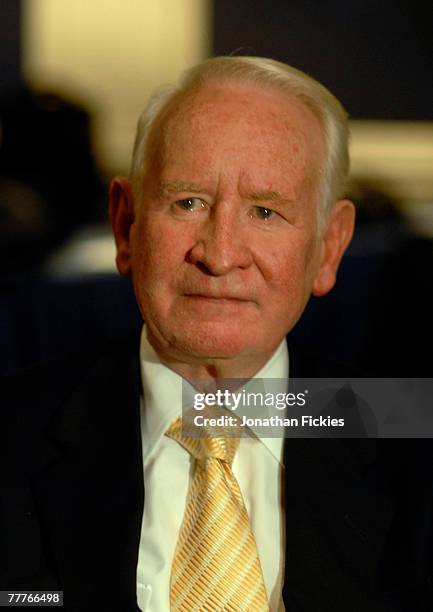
[(336, 523), (91, 493), (337, 517)]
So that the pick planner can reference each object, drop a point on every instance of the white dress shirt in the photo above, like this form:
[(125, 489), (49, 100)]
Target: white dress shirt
[(168, 470)]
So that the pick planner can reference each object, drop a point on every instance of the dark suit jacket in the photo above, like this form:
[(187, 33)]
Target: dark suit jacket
[(358, 512)]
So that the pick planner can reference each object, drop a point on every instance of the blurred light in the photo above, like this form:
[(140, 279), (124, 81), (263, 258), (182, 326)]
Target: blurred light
[(109, 55), (398, 154)]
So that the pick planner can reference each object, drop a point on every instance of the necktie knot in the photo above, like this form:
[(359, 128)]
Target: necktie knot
[(208, 446)]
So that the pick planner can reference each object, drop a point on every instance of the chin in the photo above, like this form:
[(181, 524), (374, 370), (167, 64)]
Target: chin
[(211, 341)]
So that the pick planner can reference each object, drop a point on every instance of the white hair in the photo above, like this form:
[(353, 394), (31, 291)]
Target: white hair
[(268, 73)]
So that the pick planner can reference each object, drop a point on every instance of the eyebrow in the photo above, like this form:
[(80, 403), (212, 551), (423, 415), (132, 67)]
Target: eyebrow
[(266, 196), (178, 186)]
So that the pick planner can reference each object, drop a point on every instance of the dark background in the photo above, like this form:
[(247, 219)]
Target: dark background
[(376, 57)]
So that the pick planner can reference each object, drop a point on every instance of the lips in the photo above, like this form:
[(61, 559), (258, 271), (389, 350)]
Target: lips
[(216, 297), (236, 291)]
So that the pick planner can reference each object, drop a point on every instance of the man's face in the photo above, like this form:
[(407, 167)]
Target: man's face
[(223, 249)]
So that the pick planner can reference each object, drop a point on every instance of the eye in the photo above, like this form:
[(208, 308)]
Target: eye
[(265, 214), (191, 204)]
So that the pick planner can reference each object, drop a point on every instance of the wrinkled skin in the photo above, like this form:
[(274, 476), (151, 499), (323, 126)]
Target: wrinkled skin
[(223, 246)]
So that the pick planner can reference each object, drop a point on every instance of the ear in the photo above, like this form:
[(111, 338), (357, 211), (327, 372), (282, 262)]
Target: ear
[(337, 235), (121, 213)]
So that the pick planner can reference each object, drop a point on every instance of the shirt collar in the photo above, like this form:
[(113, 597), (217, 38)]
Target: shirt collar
[(276, 368), (162, 395)]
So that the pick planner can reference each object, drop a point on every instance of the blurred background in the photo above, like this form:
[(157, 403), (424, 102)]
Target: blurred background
[(76, 75)]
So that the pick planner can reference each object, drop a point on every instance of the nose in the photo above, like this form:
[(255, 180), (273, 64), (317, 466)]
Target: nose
[(222, 243)]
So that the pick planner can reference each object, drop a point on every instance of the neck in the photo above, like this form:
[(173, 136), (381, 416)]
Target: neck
[(210, 370), (210, 373)]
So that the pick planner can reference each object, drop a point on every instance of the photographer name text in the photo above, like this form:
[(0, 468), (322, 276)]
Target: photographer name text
[(271, 421)]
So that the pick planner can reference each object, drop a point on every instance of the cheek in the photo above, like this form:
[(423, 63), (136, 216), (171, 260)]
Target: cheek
[(290, 270), (159, 251)]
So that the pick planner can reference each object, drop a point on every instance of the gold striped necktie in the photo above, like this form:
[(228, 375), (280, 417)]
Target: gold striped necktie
[(216, 566)]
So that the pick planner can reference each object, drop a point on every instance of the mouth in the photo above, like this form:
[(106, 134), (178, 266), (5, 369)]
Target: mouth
[(216, 299)]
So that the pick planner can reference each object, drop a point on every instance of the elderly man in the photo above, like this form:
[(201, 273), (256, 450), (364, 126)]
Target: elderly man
[(232, 217)]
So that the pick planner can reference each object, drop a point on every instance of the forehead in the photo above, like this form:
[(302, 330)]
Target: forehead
[(244, 123)]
